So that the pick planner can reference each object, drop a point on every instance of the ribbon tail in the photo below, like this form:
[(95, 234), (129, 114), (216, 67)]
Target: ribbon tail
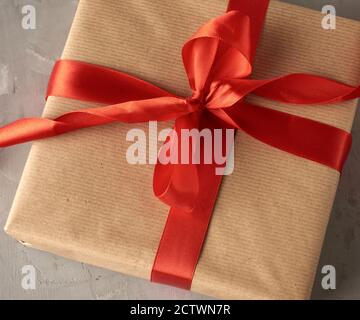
[(301, 89), (26, 130), (157, 109), (307, 89)]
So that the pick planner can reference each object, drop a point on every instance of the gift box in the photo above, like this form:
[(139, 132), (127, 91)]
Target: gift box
[(80, 198)]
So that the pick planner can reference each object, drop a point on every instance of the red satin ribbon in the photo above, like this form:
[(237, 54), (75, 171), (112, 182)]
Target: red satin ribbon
[(218, 62)]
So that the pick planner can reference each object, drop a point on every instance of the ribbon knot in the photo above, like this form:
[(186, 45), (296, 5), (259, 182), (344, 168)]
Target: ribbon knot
[(196, 103)]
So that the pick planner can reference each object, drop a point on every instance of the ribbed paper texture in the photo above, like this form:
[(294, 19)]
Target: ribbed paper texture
[(79, 198)]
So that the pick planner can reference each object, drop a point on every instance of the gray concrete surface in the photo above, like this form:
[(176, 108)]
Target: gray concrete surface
[(26, 59)]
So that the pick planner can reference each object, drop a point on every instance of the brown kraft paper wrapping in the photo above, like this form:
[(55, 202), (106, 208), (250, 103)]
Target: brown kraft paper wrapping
[(79, 198)]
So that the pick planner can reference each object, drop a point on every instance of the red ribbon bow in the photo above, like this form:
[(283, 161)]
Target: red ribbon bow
[(218, 62)]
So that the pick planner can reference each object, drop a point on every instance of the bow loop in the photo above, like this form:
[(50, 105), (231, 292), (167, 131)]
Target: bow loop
[(219, 50), (175, 169)]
